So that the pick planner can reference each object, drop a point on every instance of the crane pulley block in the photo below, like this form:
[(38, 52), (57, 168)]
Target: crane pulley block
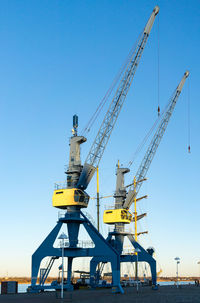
[(62, 198), (112, 216)]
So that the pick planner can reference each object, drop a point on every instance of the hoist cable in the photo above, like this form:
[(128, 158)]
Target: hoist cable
[(141, 145), (189, 150), (158, 67)]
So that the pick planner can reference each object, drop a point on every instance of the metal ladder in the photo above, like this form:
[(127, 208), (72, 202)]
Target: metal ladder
[(44, 272)]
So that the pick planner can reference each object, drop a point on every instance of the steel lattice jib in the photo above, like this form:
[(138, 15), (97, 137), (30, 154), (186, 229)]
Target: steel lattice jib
[(111, 216), (62, 198)]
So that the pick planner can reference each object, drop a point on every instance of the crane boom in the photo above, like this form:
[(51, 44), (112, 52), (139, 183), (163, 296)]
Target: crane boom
[(150, 153), (103, 135)]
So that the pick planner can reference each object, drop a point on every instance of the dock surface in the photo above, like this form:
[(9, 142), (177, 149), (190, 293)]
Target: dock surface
[(165, 294)]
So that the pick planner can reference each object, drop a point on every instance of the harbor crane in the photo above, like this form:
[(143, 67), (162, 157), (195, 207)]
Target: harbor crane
[(120, 215), (72, 196)]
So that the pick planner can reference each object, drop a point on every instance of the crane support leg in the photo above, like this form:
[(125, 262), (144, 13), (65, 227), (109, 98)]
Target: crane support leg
[(44, 250), (100, 249), (144, 256), (69, 271), (94, 274), (152, 265), (101, 246), (115, 266)]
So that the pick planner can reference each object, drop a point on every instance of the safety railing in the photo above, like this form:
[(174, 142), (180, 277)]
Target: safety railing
[(128, 251), (80, 244), (90, 218), (109, 206), (60, 185), (61, 214), (113, 228)]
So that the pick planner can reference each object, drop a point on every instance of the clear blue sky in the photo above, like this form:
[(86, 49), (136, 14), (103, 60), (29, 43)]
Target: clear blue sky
[(58, 58)]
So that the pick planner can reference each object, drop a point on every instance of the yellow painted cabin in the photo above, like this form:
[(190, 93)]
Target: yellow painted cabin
[(111, 216), (62, 198)]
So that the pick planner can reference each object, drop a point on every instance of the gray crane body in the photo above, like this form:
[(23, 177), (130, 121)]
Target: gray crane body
[(75, 168)]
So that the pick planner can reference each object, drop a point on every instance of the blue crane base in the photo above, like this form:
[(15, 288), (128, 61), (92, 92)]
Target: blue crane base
[(143, 256), (101, 250)]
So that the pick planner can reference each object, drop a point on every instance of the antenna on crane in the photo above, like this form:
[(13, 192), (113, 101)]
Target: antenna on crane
[(75, 125)]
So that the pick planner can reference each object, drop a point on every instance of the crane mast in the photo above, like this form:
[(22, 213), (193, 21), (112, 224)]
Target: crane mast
[(150, 153), (103, 135)]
